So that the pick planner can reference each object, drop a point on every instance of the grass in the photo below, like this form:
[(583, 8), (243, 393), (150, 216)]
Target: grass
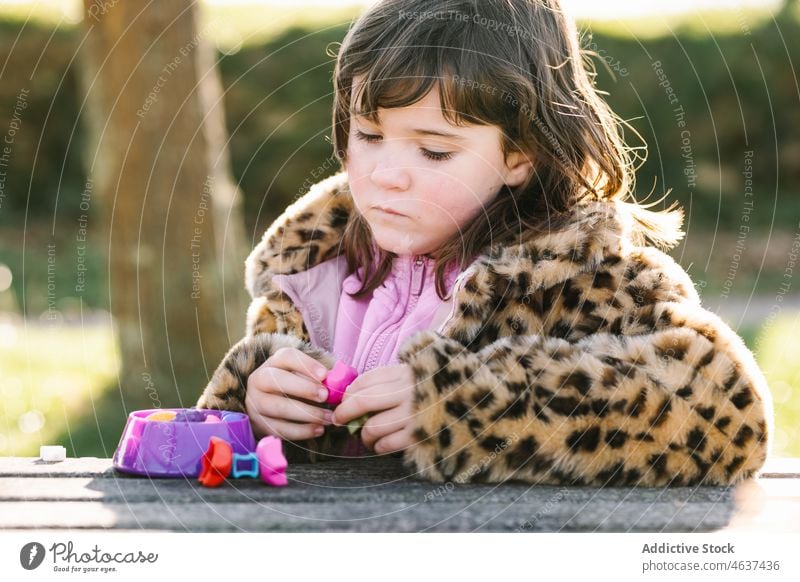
[(778, 353), (49, 377), (58, 386)]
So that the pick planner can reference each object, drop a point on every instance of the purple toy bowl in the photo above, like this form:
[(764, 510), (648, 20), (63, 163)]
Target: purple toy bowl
[(174, 449)]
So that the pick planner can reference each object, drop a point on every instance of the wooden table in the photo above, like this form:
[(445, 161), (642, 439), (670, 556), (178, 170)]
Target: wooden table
[(378, 495)]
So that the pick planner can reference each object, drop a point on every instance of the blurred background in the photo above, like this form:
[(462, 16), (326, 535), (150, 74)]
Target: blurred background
[(145, 147)]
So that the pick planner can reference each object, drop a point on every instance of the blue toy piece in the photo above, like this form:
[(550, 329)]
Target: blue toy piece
[(251, 471), (227, 415)]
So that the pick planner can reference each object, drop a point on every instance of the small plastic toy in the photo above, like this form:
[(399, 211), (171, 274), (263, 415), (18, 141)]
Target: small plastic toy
[(250, 468), (356, 424), (271, 462), (217, 462), (172, 442), (52, 453), (162, 416), (267, 462), (191, 415), (211, 444), (337, 382)]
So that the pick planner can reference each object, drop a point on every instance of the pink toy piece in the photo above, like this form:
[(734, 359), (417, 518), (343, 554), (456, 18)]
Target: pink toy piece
[(212, 419), (337, 381), (271, 461)]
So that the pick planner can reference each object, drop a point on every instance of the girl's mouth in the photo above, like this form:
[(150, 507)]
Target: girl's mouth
[(388, 211)]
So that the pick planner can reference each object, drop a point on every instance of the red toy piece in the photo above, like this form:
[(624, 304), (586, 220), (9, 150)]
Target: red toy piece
[(216, 462)]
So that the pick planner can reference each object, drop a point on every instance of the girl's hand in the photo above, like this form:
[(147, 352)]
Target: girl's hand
[(285, 396), (389, 391)]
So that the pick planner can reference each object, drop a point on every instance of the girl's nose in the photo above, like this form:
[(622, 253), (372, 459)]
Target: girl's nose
[(390, 176)]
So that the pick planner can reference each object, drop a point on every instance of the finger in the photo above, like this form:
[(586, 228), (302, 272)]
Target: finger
[(381, 425), (285, 429), (397, 441), (276, 406), (388, 378), (357, 385), (356, 405), (299, 362), (276, 380)]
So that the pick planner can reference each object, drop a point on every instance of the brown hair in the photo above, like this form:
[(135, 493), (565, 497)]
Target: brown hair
[(516, 64)]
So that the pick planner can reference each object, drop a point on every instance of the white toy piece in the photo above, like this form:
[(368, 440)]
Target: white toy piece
[(52, 453)]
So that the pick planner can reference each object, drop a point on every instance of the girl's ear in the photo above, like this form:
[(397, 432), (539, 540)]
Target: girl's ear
[(518, 168)]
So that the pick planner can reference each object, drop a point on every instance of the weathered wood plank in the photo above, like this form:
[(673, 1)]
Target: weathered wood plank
[(180, 491), (379, 495), (633, 516), (367, 468), (83, 467), (788, 467)]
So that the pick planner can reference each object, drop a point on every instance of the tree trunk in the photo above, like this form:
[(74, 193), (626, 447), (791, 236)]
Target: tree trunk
[(160, 177)]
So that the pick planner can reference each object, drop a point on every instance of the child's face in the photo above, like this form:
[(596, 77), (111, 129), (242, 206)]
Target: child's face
[(439, 184)]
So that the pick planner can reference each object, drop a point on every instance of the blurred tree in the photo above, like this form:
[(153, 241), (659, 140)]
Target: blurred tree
[(159, 169), (788, 6)]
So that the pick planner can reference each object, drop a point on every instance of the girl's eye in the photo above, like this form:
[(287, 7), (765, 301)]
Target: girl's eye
[(435, 156), (367, 137)]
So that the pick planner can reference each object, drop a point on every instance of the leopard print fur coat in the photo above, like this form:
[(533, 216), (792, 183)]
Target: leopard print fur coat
[(577, 358)]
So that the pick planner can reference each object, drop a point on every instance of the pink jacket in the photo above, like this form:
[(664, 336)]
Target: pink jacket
[(367, 333)]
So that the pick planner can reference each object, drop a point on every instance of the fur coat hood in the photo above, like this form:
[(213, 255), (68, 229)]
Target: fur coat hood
[(579, 357)]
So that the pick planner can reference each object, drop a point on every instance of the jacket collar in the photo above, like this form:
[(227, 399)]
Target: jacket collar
[(310, 231)]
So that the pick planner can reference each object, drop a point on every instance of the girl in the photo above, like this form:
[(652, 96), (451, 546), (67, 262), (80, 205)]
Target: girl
[(477, 263)]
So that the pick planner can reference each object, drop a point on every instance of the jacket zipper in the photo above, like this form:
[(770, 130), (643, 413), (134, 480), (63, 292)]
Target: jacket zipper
[(417, 280), (454, 294)]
